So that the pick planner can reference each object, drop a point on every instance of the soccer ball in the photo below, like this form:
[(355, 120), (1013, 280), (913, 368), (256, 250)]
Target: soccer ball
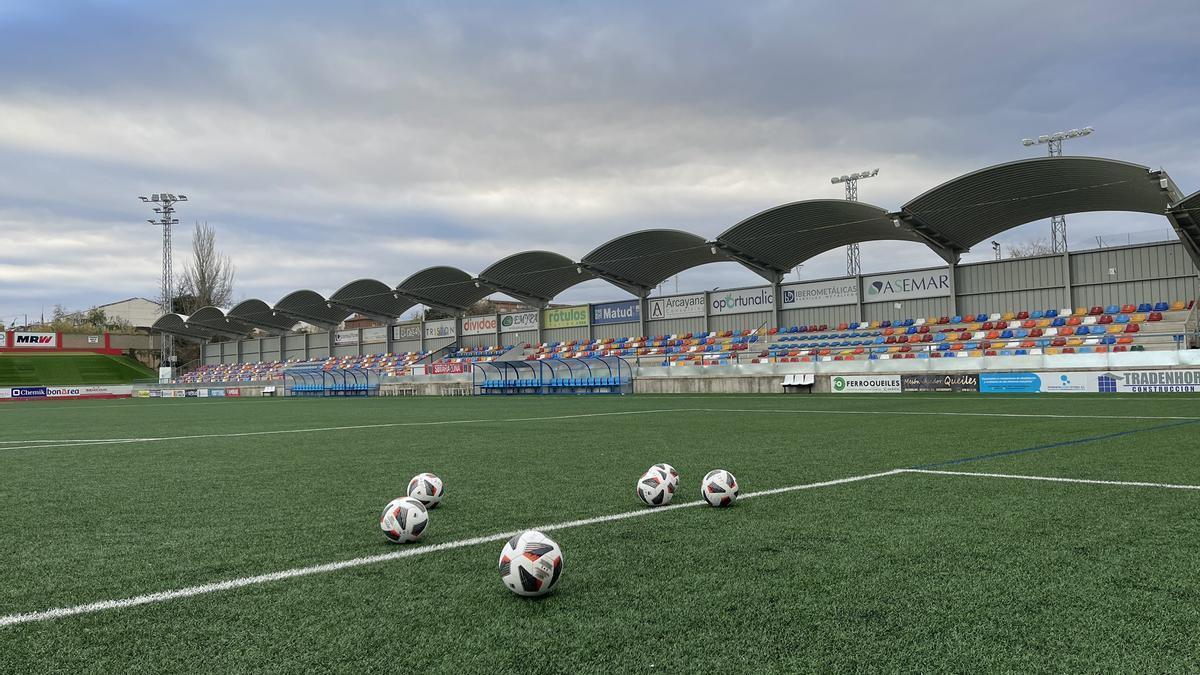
[(719, 488), (427, 489), (668, 471), (655, 488), (530, 564), (404, 520)]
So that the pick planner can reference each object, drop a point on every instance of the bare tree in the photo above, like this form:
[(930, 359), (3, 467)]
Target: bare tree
[(1030, 249), (208, 277)]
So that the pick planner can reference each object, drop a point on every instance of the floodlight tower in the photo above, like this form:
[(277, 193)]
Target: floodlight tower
[(165, 208), (853, 261), (1053, 143)]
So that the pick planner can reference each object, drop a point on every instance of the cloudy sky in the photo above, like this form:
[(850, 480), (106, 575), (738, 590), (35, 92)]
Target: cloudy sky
[(331, 141)]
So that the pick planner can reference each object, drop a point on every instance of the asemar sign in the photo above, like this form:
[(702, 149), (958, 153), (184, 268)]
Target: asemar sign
[(930, 283)]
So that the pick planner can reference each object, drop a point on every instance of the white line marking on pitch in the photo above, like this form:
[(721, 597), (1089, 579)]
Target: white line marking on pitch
[(944, 413), (1054, 479), (190, 591)]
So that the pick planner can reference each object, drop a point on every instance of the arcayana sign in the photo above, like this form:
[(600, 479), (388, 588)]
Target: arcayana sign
[(932, 283), (512, 323), (676, 307), (820, 294)]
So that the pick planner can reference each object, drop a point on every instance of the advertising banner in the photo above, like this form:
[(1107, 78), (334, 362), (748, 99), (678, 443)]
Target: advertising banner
[(216, 393), (3, 339), (907, 285), (968, 382), (441, 329), (866, 384), (1150, 382), (189, 393), (406, 332), (480, 325), (446, 368), (820, 294), (565, 317), (23, 392), (1043, 382), (617, 312), (72, 392), (233, 391), (742, 301), (345, 337), (677, 307), (371, 335), (202, 393), (511, 323), (35, 340)]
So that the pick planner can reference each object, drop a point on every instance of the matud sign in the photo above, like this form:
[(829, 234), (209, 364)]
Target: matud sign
[(616, 312), (931, 283), (441, 329), (479, 325), (820, 294), (565, 317), (35, 340), (676, 307), (512, 323), (741, 301)]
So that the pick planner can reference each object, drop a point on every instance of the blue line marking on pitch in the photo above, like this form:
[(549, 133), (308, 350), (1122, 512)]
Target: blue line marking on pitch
[(1051, 446)]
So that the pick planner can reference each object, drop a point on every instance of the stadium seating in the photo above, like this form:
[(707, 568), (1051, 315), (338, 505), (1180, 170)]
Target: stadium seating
[(388, 365)]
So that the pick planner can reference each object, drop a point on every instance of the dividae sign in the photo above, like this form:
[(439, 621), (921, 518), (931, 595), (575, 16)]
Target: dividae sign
[(565, 317), (820, 294), (929, 283), (406, 332), (440, 329), (616, 312), (35, 340), (479, 325), (512, 323), (741, 301), (676, 307)]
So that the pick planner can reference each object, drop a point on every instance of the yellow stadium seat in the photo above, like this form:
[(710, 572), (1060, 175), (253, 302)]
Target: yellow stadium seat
[(1178, 306), (1080, 311), (1137, 318), (1008, 316)]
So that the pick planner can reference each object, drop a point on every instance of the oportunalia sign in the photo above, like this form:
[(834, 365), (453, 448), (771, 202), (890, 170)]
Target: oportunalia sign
[(513, 323), (741, 301), (907, 285), (676, 307), (820, 294)]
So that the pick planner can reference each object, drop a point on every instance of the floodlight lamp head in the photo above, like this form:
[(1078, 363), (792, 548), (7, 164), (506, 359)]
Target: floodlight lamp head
[(1085, 131), (144, 199), (835, 180), (1043, 138), (478, 285), (578, 269), (713, 249), (182, 198), (1028, 142)]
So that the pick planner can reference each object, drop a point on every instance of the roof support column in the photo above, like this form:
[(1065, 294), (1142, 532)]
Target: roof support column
[(858, 298), (1066, 263), (777, 293), (643, 309), (953, 289)]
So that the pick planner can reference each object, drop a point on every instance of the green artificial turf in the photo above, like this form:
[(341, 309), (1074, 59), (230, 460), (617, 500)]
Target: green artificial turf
[(70, 368), (909, 572)]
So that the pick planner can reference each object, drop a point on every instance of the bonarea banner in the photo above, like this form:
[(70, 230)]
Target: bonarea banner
[(625, 311), (741, 301), (907, 285), (479, 325), (513, 323), (820, 294), (565, 317), (866, 384), (676, 307)]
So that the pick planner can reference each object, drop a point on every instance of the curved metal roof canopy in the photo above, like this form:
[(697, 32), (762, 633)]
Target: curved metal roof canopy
[(215, 320), (177, 325), (446, 288), (371, 298), (259, 314), (1185, 218), (534, 277), (310, 307), (780, 238), (977, 206), (640, 261)]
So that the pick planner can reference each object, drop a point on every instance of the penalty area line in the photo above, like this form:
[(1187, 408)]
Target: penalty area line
[(231, 584), (1054, 479)]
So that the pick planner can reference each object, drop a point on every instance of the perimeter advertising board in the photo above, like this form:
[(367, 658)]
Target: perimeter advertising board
[(345, 337), (930, 283), (741, 301), (820, 294), (625, 311), (1053, 382), (676, 307), (441, 329), (372, 335), (866, 384), (3, 339), (479, 325), (406, 332), (942, 383), (35, 340), (512, 323), (1104, 382), (72, 392), (565, 317), (446, 368)]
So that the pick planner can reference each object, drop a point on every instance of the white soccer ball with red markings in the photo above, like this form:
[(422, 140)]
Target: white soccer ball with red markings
[(427, 489), (531, 564), (719, 488), (404, 520), (655, 488), (668, 471)]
